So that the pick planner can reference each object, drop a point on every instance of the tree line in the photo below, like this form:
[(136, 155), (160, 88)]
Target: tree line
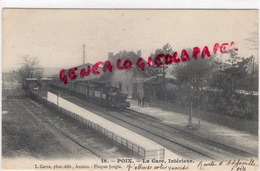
[(215, 84)]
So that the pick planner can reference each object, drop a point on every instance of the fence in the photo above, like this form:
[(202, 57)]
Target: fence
[(229, 121), (122, 143)]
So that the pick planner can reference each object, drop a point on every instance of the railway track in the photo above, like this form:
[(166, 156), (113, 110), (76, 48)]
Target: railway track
[(166, 136), (196, 137), (34, 113)]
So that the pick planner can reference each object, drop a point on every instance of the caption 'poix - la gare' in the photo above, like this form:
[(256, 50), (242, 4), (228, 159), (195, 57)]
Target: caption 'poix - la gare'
[(127, 64)]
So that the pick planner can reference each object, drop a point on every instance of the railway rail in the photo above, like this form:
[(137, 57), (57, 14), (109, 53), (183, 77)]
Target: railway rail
[(31, 113), (237, 152), (166, 135)]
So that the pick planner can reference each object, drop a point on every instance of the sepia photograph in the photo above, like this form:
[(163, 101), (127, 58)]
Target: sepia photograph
[(130, 89)]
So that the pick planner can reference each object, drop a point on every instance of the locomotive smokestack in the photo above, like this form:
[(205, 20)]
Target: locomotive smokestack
[(139, 53)]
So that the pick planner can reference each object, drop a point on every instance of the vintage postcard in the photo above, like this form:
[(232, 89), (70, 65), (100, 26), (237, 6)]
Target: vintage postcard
[(117, 89)]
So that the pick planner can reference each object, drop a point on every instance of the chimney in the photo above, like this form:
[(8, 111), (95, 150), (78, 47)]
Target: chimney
[(84, 53), (139, 53), (110, 55)]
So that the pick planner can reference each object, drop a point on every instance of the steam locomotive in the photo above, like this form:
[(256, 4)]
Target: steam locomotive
[(104, 95)]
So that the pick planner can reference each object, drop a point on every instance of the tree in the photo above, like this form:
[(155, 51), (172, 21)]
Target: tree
[(229, 80), (230, 85), (30, 68), (193, 75), (252, 67), (166, 49), (253, 39)]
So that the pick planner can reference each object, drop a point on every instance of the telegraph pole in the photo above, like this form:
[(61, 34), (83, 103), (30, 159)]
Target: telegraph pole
[(190, 118), (83, 53), (164, 83)]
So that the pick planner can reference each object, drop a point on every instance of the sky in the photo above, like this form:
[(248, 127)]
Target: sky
[(56, 36)]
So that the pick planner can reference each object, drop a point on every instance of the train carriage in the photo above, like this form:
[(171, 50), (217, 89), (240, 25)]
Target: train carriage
[(106, 96)]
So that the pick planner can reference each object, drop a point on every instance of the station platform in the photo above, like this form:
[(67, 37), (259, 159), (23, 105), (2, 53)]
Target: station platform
[(235, 138), (133, 137)]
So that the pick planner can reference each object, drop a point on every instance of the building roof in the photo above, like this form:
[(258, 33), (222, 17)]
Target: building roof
[(133, 57), (31, 79), (100, 80), (139, 80), (46, 79), (158, 80), (36, 79)]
